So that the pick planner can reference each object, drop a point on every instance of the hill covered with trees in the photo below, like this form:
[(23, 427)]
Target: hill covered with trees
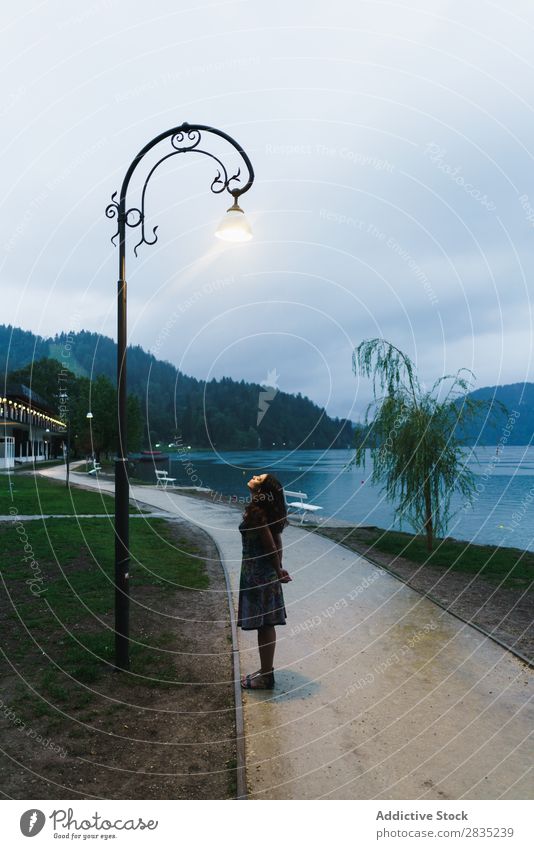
[(508, 420), (218, 412), (518, 398)]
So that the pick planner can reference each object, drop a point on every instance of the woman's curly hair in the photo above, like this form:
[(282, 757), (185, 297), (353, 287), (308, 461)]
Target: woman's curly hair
[(267, 506)]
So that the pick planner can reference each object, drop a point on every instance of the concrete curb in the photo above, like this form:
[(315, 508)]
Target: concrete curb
[(242, 791)]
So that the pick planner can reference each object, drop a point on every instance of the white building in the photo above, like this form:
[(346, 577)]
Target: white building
[(28, 430)]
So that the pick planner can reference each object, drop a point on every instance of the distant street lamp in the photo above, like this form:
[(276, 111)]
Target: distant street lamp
[(90, 416), (63, 396), (234, 227), (66, 445)]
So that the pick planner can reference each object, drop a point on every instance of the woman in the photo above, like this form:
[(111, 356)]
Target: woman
[(261, 601)]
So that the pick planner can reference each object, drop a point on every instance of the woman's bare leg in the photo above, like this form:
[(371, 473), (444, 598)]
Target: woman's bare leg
[(266, 646)]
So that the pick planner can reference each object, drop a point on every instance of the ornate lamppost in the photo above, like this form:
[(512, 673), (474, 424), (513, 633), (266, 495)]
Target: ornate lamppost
[(187, 138)]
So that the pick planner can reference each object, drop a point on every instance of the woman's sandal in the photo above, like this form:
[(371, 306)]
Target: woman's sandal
[(267, 682)]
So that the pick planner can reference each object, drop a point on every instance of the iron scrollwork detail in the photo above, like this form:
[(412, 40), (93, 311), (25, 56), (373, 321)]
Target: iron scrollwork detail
[(133, 217), (112, 211), (179, 143), (185, 139)]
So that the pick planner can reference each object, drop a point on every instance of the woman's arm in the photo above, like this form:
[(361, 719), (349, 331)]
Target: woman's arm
[(277, 539), (272, 543), (269, 546)]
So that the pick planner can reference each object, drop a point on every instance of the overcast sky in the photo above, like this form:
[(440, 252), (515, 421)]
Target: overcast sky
[(394, 193)]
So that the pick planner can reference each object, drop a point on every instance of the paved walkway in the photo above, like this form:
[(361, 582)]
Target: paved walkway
[(380, 693)]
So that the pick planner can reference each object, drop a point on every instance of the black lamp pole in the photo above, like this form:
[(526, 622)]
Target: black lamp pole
[(187, 138)]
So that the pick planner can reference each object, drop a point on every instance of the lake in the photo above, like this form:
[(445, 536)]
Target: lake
[(501, 513)]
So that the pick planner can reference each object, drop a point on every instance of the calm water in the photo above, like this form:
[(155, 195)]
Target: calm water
[(502, 511)]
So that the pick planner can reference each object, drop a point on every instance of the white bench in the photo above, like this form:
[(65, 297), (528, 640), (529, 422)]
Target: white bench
[(96, 468), (304, 508), (163, 479)]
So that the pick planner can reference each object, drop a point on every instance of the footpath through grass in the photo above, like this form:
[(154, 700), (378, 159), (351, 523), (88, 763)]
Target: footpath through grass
[(509, 567)]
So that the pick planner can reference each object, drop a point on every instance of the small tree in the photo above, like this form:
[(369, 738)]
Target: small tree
[(414, 437)]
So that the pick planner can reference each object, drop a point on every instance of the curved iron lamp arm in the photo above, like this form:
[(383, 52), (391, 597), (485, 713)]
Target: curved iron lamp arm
[(184, 139)]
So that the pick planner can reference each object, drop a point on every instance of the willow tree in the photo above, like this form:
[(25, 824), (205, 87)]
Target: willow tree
[(414, 436)]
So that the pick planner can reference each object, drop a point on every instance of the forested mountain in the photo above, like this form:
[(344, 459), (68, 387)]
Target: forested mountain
[(225, 412), (220, 412), (509, 421), (518, 398)]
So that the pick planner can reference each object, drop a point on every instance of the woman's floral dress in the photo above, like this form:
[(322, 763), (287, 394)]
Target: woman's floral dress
[(261, 600)]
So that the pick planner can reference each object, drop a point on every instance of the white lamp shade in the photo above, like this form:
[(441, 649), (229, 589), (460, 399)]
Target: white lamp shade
[(234, 227)]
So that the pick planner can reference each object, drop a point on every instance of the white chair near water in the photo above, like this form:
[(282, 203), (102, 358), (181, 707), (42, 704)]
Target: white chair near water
[(163, 480), (301, 507), (96, 468)]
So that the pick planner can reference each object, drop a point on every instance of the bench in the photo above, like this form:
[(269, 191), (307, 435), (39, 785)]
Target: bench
[(301, 505), (96, 468), (163, 479)]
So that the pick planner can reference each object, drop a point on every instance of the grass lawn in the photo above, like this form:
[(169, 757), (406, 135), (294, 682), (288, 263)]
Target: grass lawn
[(510, 567), (70, 609), (32, 495), (115, 730), (21, 468)]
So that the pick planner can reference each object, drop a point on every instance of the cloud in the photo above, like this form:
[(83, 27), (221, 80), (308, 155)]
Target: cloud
[(391, 154)]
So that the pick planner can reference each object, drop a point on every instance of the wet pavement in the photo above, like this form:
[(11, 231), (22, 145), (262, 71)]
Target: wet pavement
[(380, 694)]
